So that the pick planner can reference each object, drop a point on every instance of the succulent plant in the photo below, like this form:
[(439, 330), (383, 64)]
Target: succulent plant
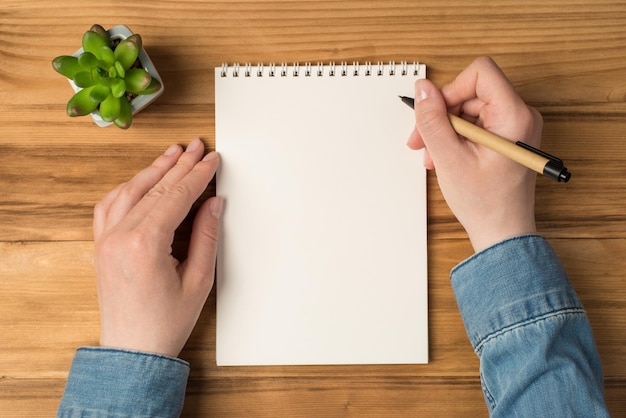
[(108, 76)]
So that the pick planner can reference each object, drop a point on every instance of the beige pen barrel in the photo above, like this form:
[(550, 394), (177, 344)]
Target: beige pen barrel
[(498, 144)]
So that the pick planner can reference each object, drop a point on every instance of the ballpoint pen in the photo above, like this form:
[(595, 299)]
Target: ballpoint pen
[(520, 152)]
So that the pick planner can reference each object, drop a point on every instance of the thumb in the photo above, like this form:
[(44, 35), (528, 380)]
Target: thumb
[(433, 125), (199, 268)]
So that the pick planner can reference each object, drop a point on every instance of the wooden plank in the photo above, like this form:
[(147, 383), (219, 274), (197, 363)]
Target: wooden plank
[(327, 396), (51, 308), (338, 397), (30, 397), (556, 55), (45, 198)]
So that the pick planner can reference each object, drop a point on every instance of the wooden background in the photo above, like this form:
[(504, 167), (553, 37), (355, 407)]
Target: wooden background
[(567, 58)]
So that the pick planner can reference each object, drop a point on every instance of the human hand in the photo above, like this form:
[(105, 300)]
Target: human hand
[(149, 301), (491, 196)]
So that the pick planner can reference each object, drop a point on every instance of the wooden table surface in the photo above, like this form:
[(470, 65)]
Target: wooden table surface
[(566, 58)]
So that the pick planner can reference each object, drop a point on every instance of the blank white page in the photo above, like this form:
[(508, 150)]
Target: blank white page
[(322, 252)]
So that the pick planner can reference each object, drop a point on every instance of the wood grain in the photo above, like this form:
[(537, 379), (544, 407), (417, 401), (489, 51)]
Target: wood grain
[(567, 58)]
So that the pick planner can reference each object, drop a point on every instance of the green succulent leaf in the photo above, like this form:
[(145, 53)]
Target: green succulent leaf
[(110, 108), (128, 50), (125, 117), (119, 69), (94, 43), (106, 54), (153, 87), (102, 32), (83, 79), (97, 77), (67, 66), (88, 60), (118, 87), (137, 80), (81, 103), (103, 67), (108, 81), (99, 93)]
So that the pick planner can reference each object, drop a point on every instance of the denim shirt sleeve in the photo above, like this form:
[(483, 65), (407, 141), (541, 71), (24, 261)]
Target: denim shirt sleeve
[(106, 382), (537, 353)]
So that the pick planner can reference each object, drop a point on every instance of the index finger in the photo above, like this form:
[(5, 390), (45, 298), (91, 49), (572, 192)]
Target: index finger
[(115, 205), (482, 79), (173, 203), (484, 95)]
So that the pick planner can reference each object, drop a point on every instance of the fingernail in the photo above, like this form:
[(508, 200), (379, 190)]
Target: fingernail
[(210, 156), (171, 150), (420, 95), (193, 145), (412, 137), (215, 207)]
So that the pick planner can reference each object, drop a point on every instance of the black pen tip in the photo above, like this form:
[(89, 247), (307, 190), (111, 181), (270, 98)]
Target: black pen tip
[(407, 100)]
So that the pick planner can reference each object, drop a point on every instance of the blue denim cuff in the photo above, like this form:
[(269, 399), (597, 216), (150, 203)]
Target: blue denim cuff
[(517, 280), (113, 382)]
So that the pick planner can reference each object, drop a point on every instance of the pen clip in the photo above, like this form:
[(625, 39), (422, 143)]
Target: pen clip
[(554, 168), (539, 152)]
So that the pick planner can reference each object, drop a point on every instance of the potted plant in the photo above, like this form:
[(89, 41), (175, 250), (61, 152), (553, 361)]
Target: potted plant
[(112, 76)]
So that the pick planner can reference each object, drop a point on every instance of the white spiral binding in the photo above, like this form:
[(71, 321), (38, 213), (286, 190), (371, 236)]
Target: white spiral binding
[(320, 70)]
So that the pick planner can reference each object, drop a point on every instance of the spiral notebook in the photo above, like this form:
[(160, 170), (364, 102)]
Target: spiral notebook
[(322, 252)]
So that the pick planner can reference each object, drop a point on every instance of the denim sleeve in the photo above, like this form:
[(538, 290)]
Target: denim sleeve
[(537, 354), (107, 382)]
